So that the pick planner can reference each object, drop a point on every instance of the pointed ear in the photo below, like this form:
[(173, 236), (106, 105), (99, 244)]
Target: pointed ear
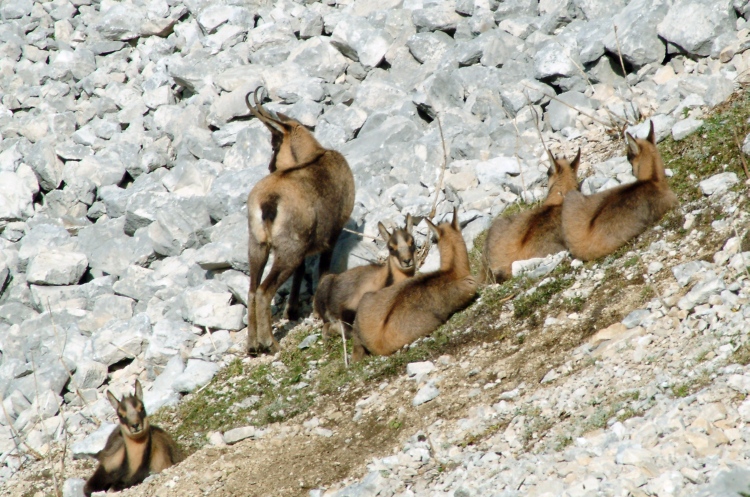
[(434, 229), (113, 400), (454, 223), (651, 134), (409, 224), (576, 162), (138, 391), (384, 232), (633, 148), (552, 160)]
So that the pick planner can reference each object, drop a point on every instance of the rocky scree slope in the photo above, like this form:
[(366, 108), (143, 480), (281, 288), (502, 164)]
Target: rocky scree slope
[(127, 154)]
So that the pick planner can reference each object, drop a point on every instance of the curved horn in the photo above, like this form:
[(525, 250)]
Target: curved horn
[(258, 111)]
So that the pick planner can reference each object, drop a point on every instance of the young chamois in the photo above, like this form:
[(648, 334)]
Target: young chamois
[(534, 233), (599, 224), (133, 450), (338, 295), (399, 314), (298, 210)]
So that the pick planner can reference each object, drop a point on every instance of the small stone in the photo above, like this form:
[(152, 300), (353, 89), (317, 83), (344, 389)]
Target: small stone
[(73, 487), (235, 435), (686, 127), (425, 394), (718, 183), (419, 368), (309, 341), (94, 443), (197, 373), (635, 318), (216, 439)]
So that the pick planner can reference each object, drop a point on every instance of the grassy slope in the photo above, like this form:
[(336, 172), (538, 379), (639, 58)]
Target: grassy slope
[(302, 378)]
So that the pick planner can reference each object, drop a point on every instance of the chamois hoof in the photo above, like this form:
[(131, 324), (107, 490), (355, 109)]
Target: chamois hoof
[(260, 349), (291, 314)]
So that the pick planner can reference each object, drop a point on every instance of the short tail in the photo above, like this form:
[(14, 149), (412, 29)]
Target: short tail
[(265, 217)]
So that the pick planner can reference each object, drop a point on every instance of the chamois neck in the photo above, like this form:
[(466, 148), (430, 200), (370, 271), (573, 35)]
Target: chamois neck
[(454, 258), (555, 197)]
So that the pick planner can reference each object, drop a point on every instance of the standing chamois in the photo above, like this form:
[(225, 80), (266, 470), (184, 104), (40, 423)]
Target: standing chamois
[(534, 233), (599, 224), (133, 450), (297, 211), (338, 295), (399, 314)]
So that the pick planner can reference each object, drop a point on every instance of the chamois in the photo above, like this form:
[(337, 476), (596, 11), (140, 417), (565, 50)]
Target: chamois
[(597, 225), (134, 449), (338, 295), (399, 314), (534, 233), (298, 210)]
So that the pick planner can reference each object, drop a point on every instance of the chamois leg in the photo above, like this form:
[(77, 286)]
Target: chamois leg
[(324, 263), (280, 272), (98, 482), (291, 312), (358, 350), (258, 257)]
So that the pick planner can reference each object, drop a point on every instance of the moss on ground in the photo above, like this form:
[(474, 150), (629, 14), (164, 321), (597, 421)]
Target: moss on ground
[(714, 149)]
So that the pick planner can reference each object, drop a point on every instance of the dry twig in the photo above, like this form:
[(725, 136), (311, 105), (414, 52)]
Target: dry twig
[(742, 154)]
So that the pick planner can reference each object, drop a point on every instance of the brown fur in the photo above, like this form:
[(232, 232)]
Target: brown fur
[(297, 211), (399, 314), (133, 450), (597, 225), (338, 295), (533, 233)]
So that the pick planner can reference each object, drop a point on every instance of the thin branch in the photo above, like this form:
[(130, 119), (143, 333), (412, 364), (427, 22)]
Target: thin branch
[(742, 154), (58, 490), (536, 120), (580, 69), (442, 171), (742, 256), (619, 53), (343, 344), (566, 104), (359, 234)]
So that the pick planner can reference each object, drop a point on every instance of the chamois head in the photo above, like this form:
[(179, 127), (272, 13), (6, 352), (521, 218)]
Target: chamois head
[(293, 144), (450, 242), (400, 246), (644, 156), (131, 412), (562, 178)]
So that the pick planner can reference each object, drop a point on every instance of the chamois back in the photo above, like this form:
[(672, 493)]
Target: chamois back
[(297, 211), (399, 314), (597, 225), (533, 233), (338, 295)]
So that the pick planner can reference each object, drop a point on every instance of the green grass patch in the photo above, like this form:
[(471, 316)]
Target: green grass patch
[(526, 305), (713, 150), (741, 355)]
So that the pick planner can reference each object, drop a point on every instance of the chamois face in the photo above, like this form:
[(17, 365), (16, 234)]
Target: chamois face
[(562, 178), (644, 156), (400, 245), (446, 231), (131, 412), (292, 143)]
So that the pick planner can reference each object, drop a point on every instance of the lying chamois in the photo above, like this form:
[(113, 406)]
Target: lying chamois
[(534, 233), (133, 450), (597, 225), (399, 314), (297, 211), (338, 295)]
